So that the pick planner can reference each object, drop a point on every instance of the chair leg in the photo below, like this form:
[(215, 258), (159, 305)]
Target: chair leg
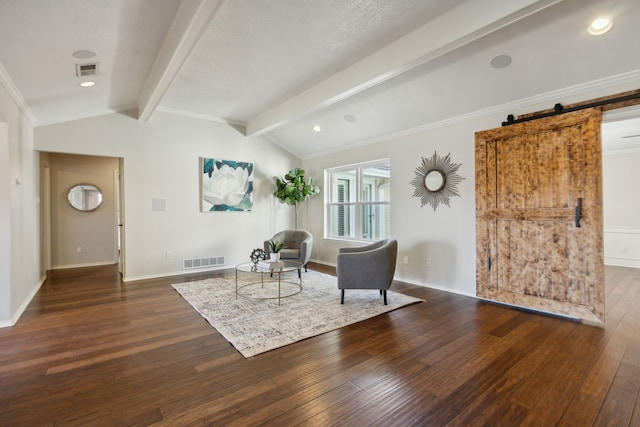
[(384, 293), (305, 268), (300, 273), (341, 296)]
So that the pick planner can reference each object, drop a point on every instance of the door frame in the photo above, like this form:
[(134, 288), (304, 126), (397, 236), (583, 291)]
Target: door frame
[(120, 224)]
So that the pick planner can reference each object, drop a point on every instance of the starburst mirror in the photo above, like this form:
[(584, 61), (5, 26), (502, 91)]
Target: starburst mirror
[(436, 180)]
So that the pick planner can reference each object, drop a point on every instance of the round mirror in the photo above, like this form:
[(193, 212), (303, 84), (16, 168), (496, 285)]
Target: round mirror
[(85, 197), (434, 180)]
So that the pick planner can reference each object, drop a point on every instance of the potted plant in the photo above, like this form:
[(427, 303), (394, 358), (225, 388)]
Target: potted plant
[(274, 250), (295, 188)]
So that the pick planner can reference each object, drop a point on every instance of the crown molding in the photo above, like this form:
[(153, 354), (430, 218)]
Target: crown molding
[(13, 91), (631, 112), (275, 141), (522, 104), (621, 151)]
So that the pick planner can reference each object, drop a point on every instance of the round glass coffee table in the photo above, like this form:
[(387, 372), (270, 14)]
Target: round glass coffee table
[(267, 278)]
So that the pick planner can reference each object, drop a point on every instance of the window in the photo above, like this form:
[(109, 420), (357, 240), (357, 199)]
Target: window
[(358, 201)]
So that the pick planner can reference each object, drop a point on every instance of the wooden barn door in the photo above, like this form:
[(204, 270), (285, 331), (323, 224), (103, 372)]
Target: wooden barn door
[(539, 215)]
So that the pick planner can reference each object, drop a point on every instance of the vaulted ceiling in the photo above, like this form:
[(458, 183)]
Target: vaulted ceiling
[(360, 69)]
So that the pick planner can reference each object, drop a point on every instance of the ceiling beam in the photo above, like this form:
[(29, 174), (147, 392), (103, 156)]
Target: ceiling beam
[(471, 20), (190, 24)]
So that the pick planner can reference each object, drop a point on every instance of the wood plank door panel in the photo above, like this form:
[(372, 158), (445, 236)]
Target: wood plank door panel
[(530, 177)]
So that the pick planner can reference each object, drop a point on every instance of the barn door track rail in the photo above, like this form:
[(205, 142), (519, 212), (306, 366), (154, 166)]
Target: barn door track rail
[(622, 100)]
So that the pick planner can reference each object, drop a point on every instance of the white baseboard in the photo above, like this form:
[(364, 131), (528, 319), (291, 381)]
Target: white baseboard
[(23, 306), (174, 273), (436, 287), (622, 262), (330, 264), (622, 246), (89, 264), (411, 282)]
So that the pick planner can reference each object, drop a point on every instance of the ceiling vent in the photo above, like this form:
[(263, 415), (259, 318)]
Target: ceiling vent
[(84, 70)]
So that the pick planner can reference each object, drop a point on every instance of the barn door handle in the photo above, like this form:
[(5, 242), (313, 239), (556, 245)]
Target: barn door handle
[(578, 212)]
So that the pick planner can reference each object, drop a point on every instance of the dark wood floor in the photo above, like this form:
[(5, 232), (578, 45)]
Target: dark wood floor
[(92, 351)]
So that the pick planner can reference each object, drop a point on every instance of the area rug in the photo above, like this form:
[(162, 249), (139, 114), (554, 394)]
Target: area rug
[(254, 326)]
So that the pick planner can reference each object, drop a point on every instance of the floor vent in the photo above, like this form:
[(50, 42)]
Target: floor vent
[(213, 261)]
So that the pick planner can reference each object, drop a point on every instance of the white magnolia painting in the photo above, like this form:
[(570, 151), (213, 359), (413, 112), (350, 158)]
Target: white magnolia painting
[(226, 185)]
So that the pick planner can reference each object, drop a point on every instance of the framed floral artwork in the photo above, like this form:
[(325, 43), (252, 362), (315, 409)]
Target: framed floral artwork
[(226, 185)]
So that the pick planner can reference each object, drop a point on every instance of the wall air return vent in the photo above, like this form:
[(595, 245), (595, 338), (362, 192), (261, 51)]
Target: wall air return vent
[(84, 70), (214, 261)]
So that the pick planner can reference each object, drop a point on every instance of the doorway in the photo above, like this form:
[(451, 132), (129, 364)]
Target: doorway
[(621, 157), (76, 237)]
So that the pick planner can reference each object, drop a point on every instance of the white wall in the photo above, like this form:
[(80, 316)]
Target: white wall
[(161, 161), (20, 275), (5, 226), (447, 236), (621, 208)]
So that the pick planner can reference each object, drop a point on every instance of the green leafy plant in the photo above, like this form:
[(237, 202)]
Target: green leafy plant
[(275, 246), (295, 188)]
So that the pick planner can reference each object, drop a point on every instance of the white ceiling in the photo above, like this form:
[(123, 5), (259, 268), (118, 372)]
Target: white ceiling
[(361, 69), (621, 135)]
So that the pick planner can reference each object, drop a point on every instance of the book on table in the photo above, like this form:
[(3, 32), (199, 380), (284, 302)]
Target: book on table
[(270, 265)]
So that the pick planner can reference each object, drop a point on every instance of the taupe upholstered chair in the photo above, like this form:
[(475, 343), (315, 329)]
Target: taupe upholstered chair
[(367, 267), (297, 246)]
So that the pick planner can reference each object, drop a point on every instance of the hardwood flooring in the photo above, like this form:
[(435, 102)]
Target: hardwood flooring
[(90, 350)]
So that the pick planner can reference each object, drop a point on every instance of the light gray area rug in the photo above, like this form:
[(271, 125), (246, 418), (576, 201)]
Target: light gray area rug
[(254, 325)]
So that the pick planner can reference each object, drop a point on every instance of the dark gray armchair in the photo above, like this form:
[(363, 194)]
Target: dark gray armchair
[(297, 246), (367, 267)]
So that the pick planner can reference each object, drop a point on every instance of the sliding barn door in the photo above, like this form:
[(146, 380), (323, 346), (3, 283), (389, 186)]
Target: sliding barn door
[(539, 215)]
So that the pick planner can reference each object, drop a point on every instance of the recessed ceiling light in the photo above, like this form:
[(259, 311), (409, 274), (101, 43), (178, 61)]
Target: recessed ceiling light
[(500, 61), (87, 84), (84, 54), (600, 26), (317, 128)]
